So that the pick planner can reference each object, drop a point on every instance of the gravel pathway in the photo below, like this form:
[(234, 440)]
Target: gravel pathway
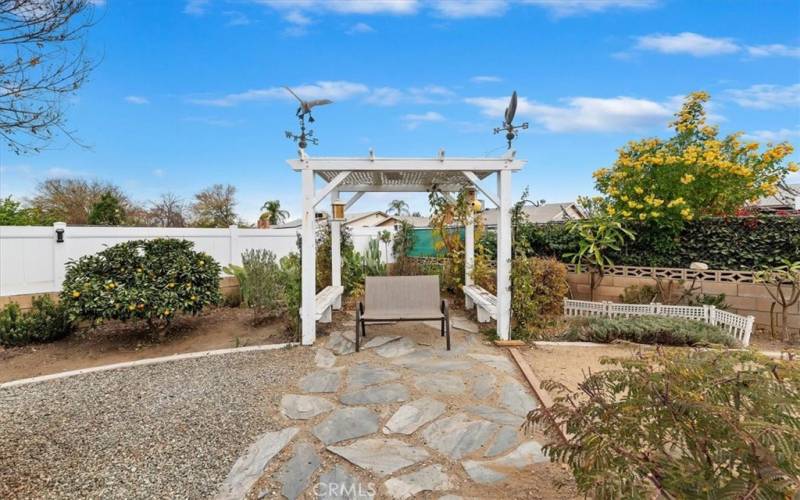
[(169, 430)]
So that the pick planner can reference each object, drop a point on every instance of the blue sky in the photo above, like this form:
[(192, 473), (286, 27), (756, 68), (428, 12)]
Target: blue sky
[(187, 93)]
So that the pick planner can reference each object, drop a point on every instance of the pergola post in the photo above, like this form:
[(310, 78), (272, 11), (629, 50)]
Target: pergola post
[(309, 261), (469, 258), (336, 252), (504, 254)]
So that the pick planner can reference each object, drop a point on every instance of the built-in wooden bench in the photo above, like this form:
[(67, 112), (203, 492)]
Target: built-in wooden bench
[(326, 300), (484, 302)]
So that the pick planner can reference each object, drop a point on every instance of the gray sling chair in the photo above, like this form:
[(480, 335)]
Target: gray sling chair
[(401, 298)]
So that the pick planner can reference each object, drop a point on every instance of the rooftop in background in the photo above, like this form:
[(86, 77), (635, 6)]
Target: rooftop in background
[(548, 212), (784, 200), (375, 218)]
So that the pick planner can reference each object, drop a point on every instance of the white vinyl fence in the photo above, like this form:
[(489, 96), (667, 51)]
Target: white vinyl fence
[(32, 260), (739, 327)]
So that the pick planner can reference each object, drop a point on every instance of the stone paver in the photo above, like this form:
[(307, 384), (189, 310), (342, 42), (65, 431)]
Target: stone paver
[(324, 358), (295, 473), (441, 384), (380, 340), (516, 398), (363, 374), (436, 365), (491, 471), (249, 467), (376, 394), (397, 348), (346, 423), (505, 439), (339, 484), (410, 417), (495, 415), (431, 478), (495, 361), (380, 456), (458, 435), (301, 407), (342, 342), (484, 386), (321, 381)]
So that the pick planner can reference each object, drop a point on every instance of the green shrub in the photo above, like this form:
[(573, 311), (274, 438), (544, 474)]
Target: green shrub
[(260, 283), (148, 280), (647, 330), (292, 277), (537, 293), (678, 423), (44, 322)]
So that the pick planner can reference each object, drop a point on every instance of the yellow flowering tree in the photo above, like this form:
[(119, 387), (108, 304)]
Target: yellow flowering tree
[(695, 173)]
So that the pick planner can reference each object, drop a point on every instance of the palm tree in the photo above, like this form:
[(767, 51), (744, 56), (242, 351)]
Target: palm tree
[(272, 212), (397, 207)]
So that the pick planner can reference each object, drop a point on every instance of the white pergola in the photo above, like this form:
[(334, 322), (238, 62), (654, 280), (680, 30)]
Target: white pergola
[(375, 174)]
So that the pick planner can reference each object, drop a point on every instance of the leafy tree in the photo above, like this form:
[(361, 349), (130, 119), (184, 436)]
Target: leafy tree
[(215, 206), (402, 244), (107, 211), (12, 213), (783, 285), (168, 211), (680, 423), (71, 200), (141, 280), (694, 173), (398, 207), (385, 237), (273, 213), (42, 61)]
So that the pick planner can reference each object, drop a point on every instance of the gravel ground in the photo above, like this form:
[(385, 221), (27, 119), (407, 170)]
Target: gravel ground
[(169, 430)]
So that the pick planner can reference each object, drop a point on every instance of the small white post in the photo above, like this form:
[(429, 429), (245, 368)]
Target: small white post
[(336, 253), (504, 255), (309, 261), (233, 245), (60, 255), (469, 259)]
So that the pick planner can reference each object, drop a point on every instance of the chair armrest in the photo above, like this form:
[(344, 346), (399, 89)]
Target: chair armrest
[(361, 308)]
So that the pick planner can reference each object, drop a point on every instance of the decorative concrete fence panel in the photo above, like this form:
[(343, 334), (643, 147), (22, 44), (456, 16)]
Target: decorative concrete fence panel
[(739, 327), (33, 258)]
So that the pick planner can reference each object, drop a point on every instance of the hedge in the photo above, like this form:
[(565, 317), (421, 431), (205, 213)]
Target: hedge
[(735, 243)]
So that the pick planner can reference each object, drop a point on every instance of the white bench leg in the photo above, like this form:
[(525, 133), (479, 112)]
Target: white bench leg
[(326, 316), (337, 304), (468, 303), (483, 315)]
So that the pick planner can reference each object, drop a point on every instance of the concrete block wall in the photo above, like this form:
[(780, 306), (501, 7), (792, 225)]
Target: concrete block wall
[(747, 299)]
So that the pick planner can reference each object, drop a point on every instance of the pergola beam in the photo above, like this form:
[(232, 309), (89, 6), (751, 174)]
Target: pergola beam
[(333, 184), (353, 199), (410, 164), (397, 188)]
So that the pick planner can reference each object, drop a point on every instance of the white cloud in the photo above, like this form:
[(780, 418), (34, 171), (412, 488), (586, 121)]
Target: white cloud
[(773, 50), (137, 99), (213, 122), (563, 8), (360, 28), (159, 172), (774, 136), (687, 43), (485, 79), (60, 172), (98, 3), (196, 7), (584, 114), (334, 90), (765, 96), (297, 18), (236, 18), (385, 96), (457, 9), (347, 6), (414, 120)]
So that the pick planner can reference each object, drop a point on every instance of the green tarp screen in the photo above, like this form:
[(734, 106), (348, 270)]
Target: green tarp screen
[(424, 243)]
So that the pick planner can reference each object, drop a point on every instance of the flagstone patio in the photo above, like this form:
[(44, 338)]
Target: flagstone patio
[(400, 418)]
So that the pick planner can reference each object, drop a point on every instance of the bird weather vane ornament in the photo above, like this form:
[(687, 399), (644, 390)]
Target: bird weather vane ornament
[(508, 121), (304, 109)]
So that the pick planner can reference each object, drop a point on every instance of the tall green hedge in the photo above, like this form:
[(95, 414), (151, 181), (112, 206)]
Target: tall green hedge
[(735, 243)]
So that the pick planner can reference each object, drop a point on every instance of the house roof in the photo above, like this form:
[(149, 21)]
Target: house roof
[(415, 221), (783, 200), (548, 212)]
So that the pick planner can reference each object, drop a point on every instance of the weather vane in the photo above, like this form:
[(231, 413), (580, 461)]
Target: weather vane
[(305, 137), (508, 123)]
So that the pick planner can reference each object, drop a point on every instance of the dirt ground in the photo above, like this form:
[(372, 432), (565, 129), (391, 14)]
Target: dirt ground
[(570, 365), (114, 342)]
